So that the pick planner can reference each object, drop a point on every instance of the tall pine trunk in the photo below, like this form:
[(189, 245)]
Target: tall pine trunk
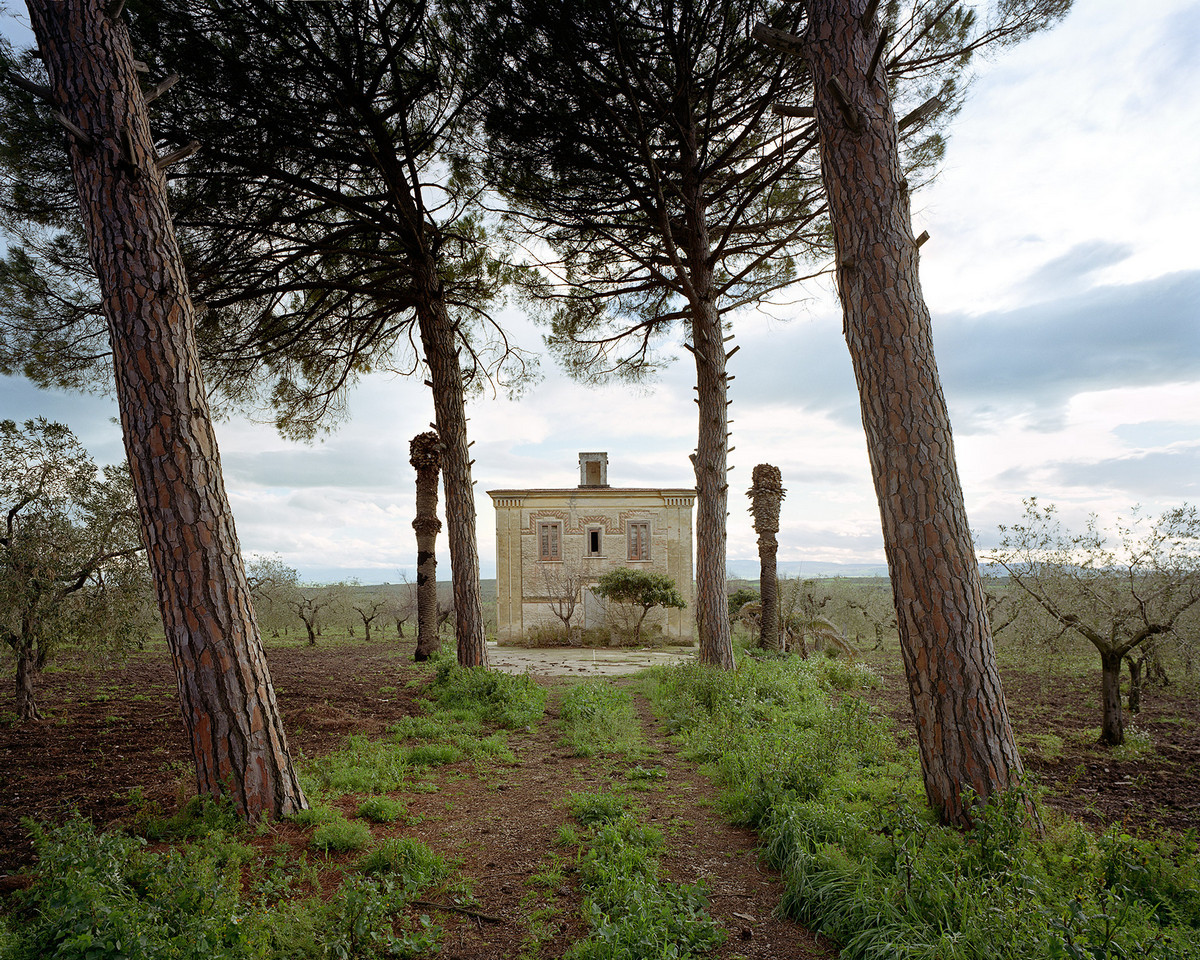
[(963, 729), (425, 456), (225, 690), (711, 460), (438, 340), (712, 488)]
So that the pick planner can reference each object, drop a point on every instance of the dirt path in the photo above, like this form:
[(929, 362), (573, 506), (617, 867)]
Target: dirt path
[(504, 829), (113, 734)]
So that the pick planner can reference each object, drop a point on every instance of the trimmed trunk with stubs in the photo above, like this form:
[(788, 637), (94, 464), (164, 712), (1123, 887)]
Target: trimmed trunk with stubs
[(425, 455), (225, 691), (963, 730), (450, 417), (766, 494)]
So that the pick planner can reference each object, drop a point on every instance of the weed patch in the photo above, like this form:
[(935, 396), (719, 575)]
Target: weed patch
[(598, 718), (632, 912), (841, 812)]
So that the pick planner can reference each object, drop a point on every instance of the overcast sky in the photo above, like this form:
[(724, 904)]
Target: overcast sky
[(1063, 273)]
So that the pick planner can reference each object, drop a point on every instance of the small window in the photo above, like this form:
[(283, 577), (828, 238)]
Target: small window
[(639, 540), (595, 541), (549, 541)]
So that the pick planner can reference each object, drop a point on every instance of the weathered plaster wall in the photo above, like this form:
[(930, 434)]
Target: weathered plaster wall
[(524, 581)]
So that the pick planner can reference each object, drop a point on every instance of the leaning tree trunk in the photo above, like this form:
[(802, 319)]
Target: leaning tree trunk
[(425, 456), (963, 729), (225, 690), (766, 493), (450, 417)]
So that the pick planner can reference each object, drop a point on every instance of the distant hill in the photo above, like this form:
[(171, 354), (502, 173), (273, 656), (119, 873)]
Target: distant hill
[(818, 569)]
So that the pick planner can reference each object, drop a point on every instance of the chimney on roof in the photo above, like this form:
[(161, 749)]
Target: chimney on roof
[(593, 469)]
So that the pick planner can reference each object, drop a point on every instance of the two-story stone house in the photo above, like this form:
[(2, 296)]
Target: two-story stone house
[(550, 542)]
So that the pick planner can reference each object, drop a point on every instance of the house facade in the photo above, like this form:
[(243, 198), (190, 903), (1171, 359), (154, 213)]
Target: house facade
[(552, 545)]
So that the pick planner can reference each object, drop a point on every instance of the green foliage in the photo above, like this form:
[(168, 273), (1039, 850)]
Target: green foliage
[(842, 816), (382, 810), (739, 598), (593, 808), (640, 591), (359, 922), (632, 913), (101, 896), (488, 695), (71, 557), (641, 588), (363, 766), (598, 717), (340, 835), (406, 862)]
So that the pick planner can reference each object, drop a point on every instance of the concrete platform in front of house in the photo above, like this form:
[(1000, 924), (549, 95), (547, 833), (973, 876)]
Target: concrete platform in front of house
[(584, 661)]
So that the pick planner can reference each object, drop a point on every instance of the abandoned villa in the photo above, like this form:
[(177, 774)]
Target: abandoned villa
[(554, 543)]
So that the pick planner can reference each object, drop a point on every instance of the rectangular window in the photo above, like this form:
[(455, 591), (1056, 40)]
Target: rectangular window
[(639, 540), (549, 541), (594, 541)]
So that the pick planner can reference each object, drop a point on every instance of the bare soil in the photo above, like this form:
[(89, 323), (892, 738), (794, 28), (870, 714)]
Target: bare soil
[(110, 732), (1056, 720), (113, 734)]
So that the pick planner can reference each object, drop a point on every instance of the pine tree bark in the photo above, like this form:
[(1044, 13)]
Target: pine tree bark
[(963, 729), (450, 417), (766, 494), (712, 488), (711, 459), (425, 456), (226, 697)]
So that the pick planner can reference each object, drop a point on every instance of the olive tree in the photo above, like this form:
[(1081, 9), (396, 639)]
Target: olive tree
[(72, 564), (641, 592), (1118, 587)]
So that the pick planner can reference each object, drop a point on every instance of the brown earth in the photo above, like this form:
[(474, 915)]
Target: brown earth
[(113, 735), (112, 731)]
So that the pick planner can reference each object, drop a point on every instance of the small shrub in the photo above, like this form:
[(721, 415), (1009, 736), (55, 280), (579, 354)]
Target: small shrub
[(382, 810), (506, 700), (593, 808), (598, 717), (340, 836), (406, 862)]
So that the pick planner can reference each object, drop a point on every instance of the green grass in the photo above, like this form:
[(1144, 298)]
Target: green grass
[(841, 811), (340, 835), (382, 810), (405, 862), (598, 717), (631, 911)]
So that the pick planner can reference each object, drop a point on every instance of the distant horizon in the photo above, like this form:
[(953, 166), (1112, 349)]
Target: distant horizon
[(377, 576)]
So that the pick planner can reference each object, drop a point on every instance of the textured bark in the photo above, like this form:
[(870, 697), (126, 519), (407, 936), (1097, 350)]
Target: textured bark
[(450, 417), (225, 691), (712, 489), (1113, 730), (963, 729), (1135, 686), (766, 494), (425, 456), (711, 459), (27, 708)]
